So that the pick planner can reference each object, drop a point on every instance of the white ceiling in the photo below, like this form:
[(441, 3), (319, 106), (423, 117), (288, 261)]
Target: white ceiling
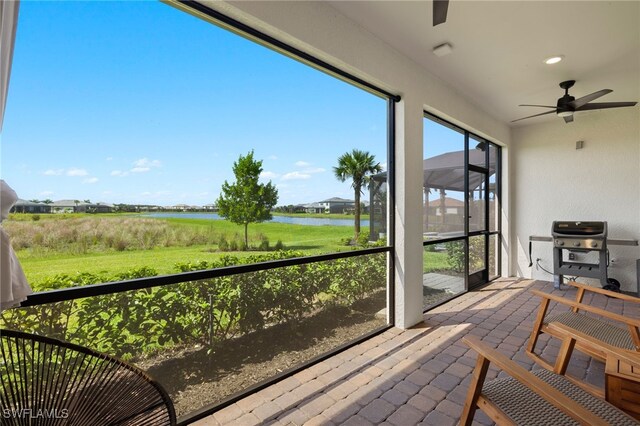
[(499, 48)]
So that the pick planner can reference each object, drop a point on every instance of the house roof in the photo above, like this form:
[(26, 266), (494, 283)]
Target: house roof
[(448, 202), (67, 203), (336, 200), (22, 202)]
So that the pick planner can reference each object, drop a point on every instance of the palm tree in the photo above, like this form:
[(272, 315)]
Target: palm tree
[(357, 165)]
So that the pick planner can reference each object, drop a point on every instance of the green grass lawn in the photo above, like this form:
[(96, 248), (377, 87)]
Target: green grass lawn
[(39, 264), (434, 261), (312, 239)]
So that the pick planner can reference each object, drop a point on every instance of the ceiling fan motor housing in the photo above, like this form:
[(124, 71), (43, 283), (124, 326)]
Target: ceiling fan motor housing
[(563, 104), (562, 107)]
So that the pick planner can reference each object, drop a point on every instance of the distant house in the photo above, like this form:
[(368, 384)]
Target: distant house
[(24, 206), (100, 207), (65, 206), (76, 206), (337, 205), (310, 208), (180, 207), (210, 208), (451, 207)]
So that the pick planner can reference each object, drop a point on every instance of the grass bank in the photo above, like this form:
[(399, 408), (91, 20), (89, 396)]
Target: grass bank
[(116, 243)]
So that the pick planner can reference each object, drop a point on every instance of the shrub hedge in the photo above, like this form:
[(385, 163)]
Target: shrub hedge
[(134, 323)]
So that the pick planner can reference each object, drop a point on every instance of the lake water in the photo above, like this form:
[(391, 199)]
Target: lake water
[(312, 221)]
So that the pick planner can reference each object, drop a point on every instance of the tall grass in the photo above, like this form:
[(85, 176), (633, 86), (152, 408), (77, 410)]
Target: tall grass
[(95, 234)]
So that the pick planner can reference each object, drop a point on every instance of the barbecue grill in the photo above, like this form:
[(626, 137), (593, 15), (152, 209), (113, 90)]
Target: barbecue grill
[(582, 237)]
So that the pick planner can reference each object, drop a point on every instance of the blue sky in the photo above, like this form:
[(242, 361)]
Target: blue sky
[(137, 102)]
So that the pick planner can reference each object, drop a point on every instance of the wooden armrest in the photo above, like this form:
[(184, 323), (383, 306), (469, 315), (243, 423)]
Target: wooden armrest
[(627, 356), (629, 321), (539, 386), (605, 292)]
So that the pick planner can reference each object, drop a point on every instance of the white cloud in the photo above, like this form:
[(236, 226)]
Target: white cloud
[(73, 171), (145, 162), (77, 172), (302, 163), (119, 173), (144, 165), (45, 193), (268, 175), (272, 157), (54, 172), (109, 158), (140, 169), (90, 180), (295, 176)]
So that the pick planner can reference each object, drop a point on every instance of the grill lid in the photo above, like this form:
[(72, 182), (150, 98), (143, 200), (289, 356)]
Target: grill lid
[(567, 228)]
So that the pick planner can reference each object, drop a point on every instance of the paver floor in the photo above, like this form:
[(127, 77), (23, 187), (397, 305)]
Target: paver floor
[(420, 375)]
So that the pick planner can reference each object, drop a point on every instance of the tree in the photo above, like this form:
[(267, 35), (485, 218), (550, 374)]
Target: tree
[(246, 200), (358, 166)]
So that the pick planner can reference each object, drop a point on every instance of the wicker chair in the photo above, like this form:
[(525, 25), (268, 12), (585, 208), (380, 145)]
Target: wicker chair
[(48, 381), (532, 398), (609, 328)]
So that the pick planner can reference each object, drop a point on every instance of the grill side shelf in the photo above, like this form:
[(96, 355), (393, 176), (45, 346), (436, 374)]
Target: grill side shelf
[(610, 241)]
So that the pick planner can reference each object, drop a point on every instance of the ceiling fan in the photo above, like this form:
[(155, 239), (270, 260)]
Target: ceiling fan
[(440, 11), (567, 104)]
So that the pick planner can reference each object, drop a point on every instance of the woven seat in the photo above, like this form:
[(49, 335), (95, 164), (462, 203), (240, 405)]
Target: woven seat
[(532, 398), (47, 381), (606, 327), (525, 407), (594, 327)]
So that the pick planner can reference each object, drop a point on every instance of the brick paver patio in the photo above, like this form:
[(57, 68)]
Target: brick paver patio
[(416, 376)]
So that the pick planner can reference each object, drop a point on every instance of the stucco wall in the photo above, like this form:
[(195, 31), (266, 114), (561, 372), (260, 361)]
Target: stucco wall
[(551, 180)]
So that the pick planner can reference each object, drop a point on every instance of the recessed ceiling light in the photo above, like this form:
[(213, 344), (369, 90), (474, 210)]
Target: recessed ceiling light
[(553, 59)]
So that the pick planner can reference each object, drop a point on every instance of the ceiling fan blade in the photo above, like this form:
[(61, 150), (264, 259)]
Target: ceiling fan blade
[(568, 118), (440, 11), (604, 105), (575, 104), (542, 106), (548, 112)]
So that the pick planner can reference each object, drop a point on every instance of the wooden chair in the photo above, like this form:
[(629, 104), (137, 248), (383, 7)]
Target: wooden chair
[(532, 398), (590, 320), (48, 381), (622, 369)]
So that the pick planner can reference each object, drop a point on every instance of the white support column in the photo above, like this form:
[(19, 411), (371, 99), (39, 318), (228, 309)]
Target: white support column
[(408, 212)]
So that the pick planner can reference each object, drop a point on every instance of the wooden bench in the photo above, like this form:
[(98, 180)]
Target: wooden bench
[(532, 398), (622, 369), (590, 320)]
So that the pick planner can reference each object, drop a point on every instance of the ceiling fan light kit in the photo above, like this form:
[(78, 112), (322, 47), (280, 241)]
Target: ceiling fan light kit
[(568, 105)]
